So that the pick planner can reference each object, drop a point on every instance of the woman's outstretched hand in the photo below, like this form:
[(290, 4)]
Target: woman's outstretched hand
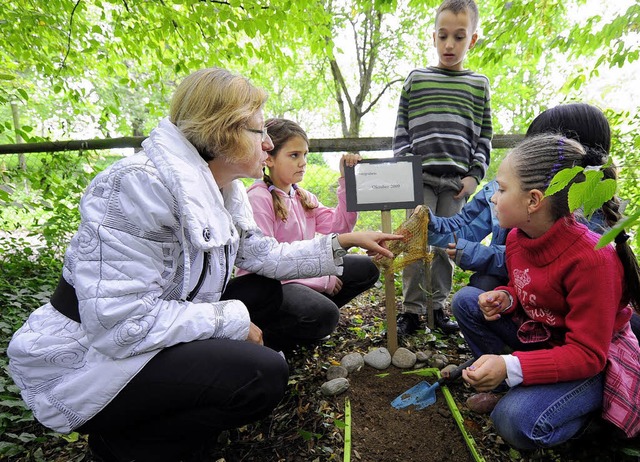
[(373, 241)]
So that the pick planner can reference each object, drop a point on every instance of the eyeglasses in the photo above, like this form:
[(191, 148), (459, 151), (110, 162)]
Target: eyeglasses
[(262, 132)]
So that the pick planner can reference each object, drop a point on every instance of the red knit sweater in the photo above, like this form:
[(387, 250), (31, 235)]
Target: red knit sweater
[(560, 280)]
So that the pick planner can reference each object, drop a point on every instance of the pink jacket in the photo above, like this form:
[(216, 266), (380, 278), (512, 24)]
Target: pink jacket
[(301, 224)]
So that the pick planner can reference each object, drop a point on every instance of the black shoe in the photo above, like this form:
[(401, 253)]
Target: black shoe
[(444, 323), (408, 323)]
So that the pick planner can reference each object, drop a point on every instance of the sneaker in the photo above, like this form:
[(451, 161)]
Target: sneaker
[(408, 323), (444, 323)]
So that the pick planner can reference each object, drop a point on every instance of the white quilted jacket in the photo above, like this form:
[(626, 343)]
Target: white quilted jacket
[(137, 263)]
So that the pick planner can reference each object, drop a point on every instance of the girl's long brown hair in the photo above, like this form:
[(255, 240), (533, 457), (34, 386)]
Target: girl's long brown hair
[(281, 131)]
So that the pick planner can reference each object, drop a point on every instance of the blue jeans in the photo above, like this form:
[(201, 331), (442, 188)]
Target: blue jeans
[(484, 337), (542, 416), (527, 417)]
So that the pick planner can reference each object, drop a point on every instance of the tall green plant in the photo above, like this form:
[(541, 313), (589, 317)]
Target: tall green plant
[(44, 198)]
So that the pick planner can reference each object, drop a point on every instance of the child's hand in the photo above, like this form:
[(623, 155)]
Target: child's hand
[(350, 160), (255, 334), (486, 373), (493, 303), (337, 287), (451, 250), (372, 241), (469, 185)]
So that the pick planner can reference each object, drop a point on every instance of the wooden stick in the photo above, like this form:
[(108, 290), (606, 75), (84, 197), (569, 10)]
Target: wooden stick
[(390, 293)]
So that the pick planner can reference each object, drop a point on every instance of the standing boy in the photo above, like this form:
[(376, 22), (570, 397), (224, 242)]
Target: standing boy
[(444, 116)]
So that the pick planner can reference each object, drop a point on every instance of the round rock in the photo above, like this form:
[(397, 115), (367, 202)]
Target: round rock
[(439, 361), (423, 356), (380, 358), (353, 362), (403, 358), (335, 387), (337, 372)]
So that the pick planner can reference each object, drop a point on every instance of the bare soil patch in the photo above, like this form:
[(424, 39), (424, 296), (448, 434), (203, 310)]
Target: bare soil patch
[(382, 433)]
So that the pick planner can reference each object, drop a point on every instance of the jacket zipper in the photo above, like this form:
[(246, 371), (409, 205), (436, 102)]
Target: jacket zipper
[(226, 269), (205, 267)]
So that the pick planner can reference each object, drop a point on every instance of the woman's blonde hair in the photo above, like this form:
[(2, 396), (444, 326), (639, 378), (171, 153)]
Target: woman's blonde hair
[(211, 107)]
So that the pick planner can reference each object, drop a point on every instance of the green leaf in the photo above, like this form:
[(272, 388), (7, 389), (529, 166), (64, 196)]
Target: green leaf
[(591, 193), (610, 235), (71, 437), (631, 451), (308, 436), (339, 424), (23, 93), (600, 192), (561, 179)]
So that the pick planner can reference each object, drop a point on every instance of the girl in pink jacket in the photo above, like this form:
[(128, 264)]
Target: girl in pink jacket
[(310, 308)]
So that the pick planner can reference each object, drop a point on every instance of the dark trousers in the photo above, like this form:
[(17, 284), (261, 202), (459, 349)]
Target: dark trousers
[(487, 282), (189, 392), (307, 315), (303, 315)]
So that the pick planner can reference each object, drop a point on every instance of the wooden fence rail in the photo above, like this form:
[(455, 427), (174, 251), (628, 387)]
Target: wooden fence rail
[(315, 145)]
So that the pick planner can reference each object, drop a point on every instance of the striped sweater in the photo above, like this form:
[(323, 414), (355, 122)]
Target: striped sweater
[(445, 117)]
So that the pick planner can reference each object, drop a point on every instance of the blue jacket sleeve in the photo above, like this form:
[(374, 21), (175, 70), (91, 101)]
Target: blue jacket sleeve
[(471, 225), (485, 259)]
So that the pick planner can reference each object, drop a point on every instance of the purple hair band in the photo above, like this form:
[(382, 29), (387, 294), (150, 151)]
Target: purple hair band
[(558, 165)]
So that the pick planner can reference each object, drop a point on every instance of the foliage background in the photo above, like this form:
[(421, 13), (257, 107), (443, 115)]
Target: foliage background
[(76, 69), (107, 68)]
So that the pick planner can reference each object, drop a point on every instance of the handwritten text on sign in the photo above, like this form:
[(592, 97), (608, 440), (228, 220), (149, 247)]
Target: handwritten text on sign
[(384, 182)]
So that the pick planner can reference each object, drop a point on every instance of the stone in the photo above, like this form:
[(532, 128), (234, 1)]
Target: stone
[(446, 370), (353, 362), (482, 403), (403, 358), (439, 361), (423, 356), (337, 372), (335, 387), (380, 358)]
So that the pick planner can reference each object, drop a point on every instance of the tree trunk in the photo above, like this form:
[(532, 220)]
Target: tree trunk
[(15, 112)]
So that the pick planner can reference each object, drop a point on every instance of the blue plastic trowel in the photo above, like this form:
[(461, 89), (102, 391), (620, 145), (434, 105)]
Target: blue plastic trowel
[(423, 394)]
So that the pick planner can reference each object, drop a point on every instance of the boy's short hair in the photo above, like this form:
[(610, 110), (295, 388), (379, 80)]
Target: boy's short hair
[(458, 6)]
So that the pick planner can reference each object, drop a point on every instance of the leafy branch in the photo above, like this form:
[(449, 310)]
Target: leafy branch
[(589, 195)]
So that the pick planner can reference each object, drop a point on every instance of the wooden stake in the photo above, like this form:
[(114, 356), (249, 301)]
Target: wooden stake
[(390, 293)]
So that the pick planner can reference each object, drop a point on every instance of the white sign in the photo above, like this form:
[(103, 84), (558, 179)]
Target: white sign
[(384, 182)]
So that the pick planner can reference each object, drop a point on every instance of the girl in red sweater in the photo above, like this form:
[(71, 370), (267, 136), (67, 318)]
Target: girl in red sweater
[(563, 320)]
